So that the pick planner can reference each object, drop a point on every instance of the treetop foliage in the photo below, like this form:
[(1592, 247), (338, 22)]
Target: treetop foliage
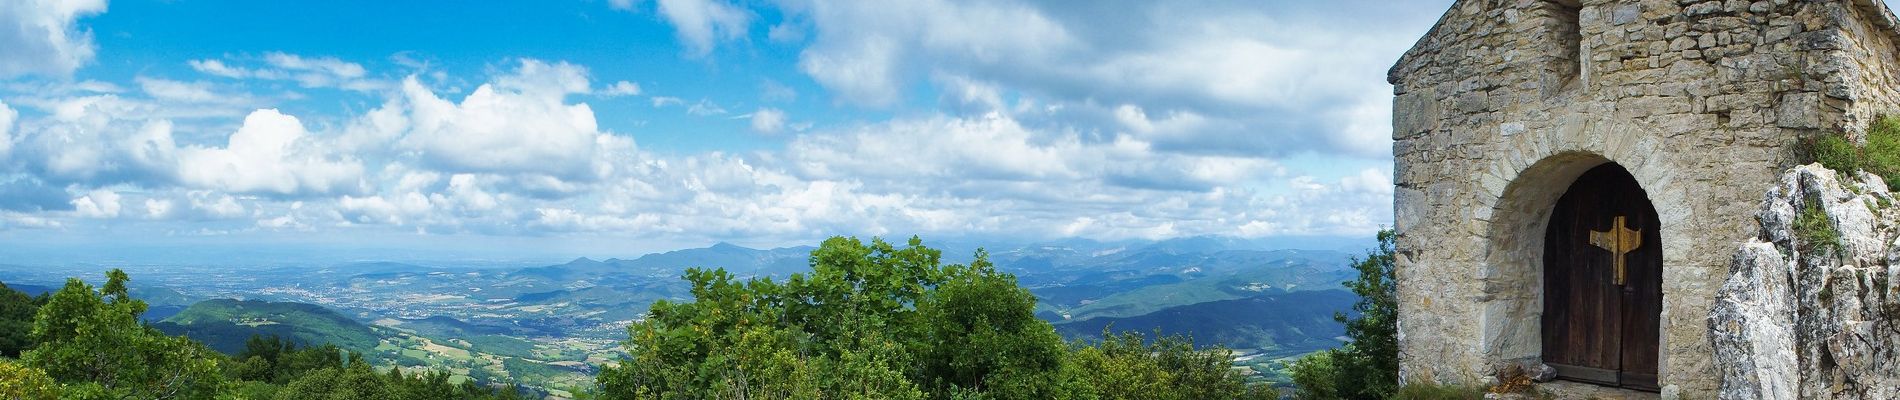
[(879, 321)]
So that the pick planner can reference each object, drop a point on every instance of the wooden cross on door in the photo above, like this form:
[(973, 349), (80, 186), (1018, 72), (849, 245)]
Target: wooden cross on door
[(1620, 241)]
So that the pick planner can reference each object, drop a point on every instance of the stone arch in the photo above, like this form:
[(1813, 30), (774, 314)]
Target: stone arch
[(1521, 187)]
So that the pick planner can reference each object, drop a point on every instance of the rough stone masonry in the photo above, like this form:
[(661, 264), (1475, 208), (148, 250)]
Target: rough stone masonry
[(1505, 102)]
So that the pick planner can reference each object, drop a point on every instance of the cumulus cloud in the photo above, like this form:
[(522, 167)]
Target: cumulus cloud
[(97, 204), (269, 155), (122, 142), (521, 154), (520, 123), (1274, 77), (43, 37)]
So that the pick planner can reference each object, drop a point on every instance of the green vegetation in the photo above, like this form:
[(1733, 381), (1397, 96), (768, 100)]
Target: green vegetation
[(87, 343), (1368, 367), (16, 320), (1812, 230), (878, 321), (20, 382), (92, 341), (1878, 155)]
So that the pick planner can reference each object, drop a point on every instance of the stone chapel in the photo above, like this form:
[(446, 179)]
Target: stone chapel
[(1574, 176)]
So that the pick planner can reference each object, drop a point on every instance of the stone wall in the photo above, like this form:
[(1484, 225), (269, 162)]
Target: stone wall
[(1698, 99), (1867, 83)]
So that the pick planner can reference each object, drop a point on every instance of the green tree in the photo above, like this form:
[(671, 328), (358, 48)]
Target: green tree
[(94, 337), (1368, 367), (980, 333), (878, 321), (16, 321)]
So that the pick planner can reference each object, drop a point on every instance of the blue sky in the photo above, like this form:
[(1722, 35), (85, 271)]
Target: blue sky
[(611, 128)]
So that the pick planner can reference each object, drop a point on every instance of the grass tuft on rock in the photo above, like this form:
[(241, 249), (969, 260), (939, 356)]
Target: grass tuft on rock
[(1878, 155), (1812, 230)]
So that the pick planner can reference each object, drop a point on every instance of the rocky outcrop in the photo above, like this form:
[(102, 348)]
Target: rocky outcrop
[(1808, 309)]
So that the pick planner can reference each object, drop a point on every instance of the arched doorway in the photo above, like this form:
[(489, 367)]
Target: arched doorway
[(1603, 281)]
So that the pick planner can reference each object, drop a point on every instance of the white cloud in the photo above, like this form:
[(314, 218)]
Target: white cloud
[(322, 66), (862, 49), (216, 205), (543, 80), (158, 208), (705, 108), (308, 72), (1265, 78), (768, 120), (42, 37), (268, 154), (521, 155), (7, 117), (218, 68), (97, 204), (519, 124), (703, 23), (773, 91), (121, 142), (621, 88), (170, 90)]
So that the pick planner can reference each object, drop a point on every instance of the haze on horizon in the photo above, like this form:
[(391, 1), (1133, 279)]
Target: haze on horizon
[(619, 127)]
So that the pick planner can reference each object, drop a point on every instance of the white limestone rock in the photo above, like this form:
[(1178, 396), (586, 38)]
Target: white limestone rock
[(1813, 320)]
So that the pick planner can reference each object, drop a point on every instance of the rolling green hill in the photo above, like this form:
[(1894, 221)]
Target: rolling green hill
[(225, 324), (1277, 324)]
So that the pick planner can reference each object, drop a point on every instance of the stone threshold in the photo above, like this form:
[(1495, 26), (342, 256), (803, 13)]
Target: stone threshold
[(1575, 390)]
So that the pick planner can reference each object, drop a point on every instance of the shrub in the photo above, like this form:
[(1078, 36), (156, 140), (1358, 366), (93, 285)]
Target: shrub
[(26, 383)]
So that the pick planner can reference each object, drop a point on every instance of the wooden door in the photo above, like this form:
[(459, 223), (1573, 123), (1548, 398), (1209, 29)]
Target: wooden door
[(1597, 329)]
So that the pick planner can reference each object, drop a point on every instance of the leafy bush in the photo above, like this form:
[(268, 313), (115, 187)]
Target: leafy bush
[(25, 383)]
